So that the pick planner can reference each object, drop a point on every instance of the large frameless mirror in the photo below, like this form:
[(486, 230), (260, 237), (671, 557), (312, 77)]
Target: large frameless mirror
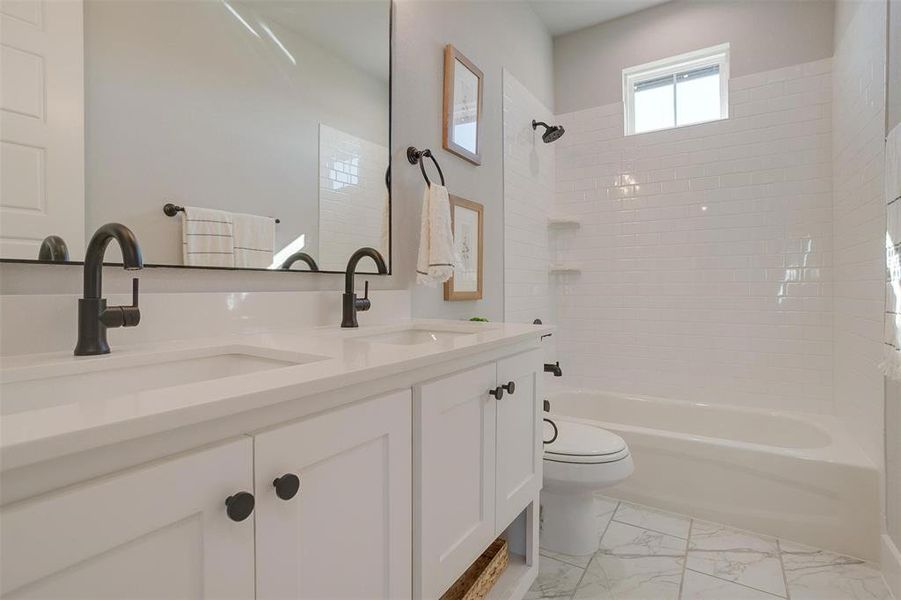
[(223, 133)]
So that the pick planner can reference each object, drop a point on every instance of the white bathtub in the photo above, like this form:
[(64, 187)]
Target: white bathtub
[(796, 476)]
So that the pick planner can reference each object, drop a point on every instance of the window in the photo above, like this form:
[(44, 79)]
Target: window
[(682, 90)]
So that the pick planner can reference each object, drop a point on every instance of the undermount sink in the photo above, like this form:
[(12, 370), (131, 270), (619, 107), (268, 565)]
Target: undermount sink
[(416, 336), (114, 376)]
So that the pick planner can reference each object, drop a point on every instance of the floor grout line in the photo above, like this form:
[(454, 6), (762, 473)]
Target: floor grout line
[(738, 583), (691, 524), (788, 594), (678, 537)]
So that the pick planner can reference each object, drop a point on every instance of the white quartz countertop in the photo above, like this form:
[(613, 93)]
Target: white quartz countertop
[(64, 420)]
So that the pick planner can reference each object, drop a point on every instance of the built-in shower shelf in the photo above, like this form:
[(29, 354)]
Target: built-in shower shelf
[(560, 221), (565, 268)]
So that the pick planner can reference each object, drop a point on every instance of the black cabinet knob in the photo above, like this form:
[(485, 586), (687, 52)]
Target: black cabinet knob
[(497, 392), (286, 486), (510, 387), (239, 506)]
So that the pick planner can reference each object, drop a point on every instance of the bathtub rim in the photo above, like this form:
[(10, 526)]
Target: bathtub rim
[(841, 448)]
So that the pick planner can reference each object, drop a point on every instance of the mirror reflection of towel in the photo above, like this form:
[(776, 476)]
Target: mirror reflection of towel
[(254, 241), (207, 237)]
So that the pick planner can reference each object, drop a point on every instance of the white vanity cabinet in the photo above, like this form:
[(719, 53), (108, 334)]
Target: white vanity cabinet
[(363, 491), (158, 531), (477, 464), (346, 533)]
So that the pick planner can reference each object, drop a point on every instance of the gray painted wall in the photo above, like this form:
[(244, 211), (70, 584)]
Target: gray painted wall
[(493, 35), (763, 35)]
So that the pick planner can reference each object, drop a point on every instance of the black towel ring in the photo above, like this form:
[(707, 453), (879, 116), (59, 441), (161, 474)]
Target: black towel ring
[(415, 156)]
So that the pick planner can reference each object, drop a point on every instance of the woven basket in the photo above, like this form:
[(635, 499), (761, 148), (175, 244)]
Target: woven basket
[(481, 575)]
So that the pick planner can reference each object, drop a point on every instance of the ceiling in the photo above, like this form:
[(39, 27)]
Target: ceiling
[(564, 16)]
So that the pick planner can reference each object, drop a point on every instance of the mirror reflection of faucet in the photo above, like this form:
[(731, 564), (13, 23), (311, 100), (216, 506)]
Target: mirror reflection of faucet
[(53, 249)]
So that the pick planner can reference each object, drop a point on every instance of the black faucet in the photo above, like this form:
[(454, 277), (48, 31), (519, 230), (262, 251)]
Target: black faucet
[(349, 301), (303, 256), (94, 316), (553, 368)]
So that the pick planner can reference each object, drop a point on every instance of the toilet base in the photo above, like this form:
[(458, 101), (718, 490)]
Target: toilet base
[(569, 523)]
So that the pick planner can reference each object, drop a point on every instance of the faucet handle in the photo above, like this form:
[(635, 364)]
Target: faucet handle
[(364, 303), (134, 292)]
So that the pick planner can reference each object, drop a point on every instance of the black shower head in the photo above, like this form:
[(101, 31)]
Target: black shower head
[(552, 132)]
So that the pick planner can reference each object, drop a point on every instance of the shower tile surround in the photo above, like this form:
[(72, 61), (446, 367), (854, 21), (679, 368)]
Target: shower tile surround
[(528, 185), (706, 252), (645, 553)]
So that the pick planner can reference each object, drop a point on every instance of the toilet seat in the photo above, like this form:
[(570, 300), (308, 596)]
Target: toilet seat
[(579, 443)]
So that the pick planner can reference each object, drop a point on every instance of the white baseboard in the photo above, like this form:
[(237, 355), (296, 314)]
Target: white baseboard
[(891, 565)]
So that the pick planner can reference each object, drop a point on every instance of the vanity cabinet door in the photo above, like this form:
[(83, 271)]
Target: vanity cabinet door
[(159, 531), (338, 524), (454, 440), (519, 445)]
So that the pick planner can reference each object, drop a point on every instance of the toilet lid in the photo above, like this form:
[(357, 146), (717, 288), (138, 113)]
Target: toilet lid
[(579, 442)]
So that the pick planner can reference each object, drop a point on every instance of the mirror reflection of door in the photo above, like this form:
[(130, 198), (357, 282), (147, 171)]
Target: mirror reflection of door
[(279, 110)]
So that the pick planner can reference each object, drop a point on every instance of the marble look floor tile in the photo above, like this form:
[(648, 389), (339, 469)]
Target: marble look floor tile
[(712, 536), (758, 570), (627, 540), (556, 579), (650, 518), (819, 575), (631, 578), (734, 555), (698, 586)]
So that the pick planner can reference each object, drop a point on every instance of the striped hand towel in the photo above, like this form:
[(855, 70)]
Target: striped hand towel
[(254, 241), (207, 238)]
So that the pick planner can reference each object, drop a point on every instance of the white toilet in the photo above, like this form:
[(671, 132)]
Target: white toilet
[(580, 461)]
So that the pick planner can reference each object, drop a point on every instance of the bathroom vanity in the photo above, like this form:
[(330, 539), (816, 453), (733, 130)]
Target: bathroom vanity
[(317, 462)]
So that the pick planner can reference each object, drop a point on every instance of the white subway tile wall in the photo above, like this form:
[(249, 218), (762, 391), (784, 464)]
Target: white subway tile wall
[(353, 198), (706, 252), (528, 200), (859, 217)]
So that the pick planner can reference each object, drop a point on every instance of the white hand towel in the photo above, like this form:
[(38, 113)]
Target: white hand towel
[(436, 239), (254, 241), (207, 237), (891, 365)]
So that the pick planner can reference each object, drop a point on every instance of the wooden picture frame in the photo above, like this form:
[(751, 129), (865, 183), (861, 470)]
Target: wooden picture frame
[(468, 226), (462, 106)]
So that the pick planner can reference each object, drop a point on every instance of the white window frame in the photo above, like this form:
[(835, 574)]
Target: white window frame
[(705, 57)]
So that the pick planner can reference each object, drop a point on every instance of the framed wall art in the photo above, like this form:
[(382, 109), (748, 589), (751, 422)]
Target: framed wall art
[(468, 226), (462, 106)]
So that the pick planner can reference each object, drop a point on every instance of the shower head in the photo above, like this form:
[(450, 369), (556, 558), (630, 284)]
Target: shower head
[(552, 132)]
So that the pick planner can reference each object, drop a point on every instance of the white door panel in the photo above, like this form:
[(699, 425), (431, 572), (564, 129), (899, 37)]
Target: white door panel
[(41, 125)]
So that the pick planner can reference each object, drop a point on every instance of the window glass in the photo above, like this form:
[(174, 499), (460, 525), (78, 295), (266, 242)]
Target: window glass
[(698, 96), (654, 106)]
